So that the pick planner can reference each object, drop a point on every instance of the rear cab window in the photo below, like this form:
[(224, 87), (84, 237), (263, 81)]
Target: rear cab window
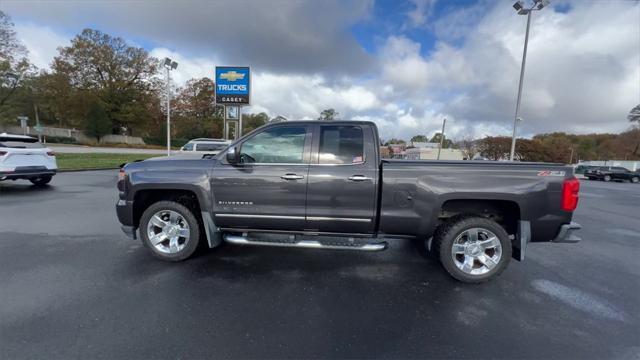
[(341, 145)]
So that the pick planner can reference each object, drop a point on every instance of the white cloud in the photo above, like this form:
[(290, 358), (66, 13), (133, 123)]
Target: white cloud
[(188, 67), (41, 41), (582, 75), (420, 12)]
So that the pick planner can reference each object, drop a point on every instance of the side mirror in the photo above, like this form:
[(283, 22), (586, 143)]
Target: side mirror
[(232, 156)]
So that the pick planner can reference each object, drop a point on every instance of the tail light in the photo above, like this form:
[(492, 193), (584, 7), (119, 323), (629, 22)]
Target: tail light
[(570, 189), (51, 153)]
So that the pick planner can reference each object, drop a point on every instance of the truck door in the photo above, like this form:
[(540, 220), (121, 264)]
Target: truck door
[(343, 178), (268, 188)]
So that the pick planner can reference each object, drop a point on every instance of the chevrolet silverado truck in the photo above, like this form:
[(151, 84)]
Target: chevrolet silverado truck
[(323, 185)]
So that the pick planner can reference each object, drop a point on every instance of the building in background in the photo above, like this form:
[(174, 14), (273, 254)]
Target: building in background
[(428, 153)]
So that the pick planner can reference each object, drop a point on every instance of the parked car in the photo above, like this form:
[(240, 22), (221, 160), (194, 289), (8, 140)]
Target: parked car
[(23, 157), (205, 145), (322, 185), (612, 173)]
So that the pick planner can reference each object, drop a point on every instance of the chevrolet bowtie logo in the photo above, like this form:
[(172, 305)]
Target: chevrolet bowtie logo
[(232, 75)]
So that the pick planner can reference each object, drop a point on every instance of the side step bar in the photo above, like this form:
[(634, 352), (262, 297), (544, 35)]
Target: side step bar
[(308, 244)]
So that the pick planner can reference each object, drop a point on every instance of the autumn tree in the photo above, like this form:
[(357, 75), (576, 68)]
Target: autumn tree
[(468, 146), (195, 112), (122, 77), (14, 68)]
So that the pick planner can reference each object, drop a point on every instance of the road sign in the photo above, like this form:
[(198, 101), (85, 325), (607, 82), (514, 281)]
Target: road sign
[(233, 85)]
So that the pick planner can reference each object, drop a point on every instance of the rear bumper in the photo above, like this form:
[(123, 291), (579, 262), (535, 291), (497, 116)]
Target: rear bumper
[(566, 233), (27, 172)]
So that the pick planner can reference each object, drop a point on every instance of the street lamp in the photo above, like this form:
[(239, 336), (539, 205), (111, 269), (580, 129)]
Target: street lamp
[(169, 65), (519, 6)]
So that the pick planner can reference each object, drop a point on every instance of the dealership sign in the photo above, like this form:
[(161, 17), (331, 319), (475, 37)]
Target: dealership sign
[(233, 85)]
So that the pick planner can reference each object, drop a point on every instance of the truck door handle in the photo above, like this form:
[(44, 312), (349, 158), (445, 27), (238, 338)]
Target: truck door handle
[(358, 178), (292, 177)]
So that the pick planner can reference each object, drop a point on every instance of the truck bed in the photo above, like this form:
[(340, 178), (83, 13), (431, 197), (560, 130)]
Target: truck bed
[(416, 194)]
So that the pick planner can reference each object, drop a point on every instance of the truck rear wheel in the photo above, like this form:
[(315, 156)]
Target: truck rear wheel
[(472, 249), (170, 230)]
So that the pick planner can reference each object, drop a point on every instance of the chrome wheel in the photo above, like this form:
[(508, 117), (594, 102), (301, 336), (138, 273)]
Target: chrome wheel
[(476, 251), (635, 180), (168, 231)]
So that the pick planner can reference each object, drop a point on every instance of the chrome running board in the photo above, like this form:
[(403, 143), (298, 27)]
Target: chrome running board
[(307, 244)]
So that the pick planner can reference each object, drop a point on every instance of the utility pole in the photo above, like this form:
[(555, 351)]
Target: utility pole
[(571, 156), (444, 121)]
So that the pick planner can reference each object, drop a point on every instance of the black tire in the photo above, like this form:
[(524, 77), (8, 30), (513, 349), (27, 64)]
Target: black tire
[(447, 233), (41, 180), (607, 178), (635, 179), (191, 244)]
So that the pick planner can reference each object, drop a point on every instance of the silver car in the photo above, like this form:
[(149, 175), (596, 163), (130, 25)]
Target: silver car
[(205, 145)]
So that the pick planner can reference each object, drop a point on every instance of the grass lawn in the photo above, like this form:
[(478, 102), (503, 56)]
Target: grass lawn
[(96, 160)]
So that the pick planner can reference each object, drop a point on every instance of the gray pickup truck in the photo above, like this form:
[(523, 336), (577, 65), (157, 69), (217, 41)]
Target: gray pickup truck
[(323, 185)]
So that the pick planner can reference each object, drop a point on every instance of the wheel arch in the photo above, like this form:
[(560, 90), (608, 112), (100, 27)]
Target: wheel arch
[(192, 198)]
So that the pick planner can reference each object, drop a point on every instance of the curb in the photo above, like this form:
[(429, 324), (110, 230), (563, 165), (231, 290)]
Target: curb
[(80, 170)]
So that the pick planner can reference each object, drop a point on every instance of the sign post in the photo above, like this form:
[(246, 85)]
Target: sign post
[(233, 90)]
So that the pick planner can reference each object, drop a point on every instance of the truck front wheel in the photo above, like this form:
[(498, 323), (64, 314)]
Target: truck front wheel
[(169, 230), (472, 249)]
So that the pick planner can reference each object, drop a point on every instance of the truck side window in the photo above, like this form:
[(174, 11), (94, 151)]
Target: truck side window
[(281, 145), (341, 145)]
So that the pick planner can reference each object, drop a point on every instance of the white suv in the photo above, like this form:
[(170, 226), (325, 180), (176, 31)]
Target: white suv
[(23, 157), (209, 146)]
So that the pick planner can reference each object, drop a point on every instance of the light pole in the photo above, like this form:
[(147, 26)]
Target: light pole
[(169, 65), (519, 7)]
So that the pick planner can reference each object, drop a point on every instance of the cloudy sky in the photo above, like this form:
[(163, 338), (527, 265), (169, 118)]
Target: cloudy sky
[(404, 64)]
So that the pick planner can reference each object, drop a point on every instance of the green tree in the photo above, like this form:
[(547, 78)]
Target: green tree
[(419, 138), (328, 114), (446, 143), (634, 114), (393, 141), (253, 121), (97, 123)]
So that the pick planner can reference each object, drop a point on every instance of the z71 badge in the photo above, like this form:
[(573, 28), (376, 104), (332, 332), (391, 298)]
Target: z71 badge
[(551, 173)]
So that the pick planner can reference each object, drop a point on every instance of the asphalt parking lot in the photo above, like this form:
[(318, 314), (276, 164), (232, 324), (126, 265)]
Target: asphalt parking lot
[(73, 286)]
